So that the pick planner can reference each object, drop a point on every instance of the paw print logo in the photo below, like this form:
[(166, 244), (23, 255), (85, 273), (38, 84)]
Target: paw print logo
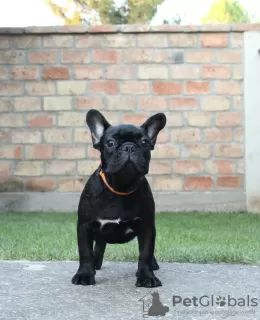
[(221, 301)]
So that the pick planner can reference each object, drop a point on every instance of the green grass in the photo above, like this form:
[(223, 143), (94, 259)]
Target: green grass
[(182, 237)]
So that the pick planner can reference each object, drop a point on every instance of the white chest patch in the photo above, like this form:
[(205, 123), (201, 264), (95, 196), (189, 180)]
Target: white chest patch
[(105, 221)]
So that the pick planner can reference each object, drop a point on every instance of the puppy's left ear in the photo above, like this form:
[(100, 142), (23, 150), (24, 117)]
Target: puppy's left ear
[(97, 124), (153, 126)]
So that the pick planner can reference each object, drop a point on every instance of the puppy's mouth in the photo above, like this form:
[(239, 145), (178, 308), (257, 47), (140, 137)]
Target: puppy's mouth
[(128, 166)]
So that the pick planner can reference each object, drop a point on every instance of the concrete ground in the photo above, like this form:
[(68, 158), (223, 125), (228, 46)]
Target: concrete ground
[(43, 291)]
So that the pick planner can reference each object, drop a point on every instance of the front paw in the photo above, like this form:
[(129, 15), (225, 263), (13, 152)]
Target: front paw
[(147, 280), (84, 279)]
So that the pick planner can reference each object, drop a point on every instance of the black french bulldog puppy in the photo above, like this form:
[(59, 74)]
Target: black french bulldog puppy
[(117, 204)]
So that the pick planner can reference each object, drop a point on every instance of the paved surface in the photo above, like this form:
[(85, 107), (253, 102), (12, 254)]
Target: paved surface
[(43, 291)]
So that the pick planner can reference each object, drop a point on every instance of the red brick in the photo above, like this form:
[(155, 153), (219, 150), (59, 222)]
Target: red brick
[(108, 87), (40, 120), (165, 183), (25, 41), (174, 119), (185, 72), (70, 152), (5, 169), (238, 102), (184, 135), (106, 56), (231, 182), (138, 55), (239, 134), (40, 88), (55, 73), (135, 87), (182, 39), (39, 152), (228, 87), (198, 183), (183, 103), (26, 137), (82, 135), (231, 150), (187, 166), (165, 151), (24, 73), (93, 153), (29, 168), (89, 102), (162, 137), (199, 87), (152, 40), (42, 57), (237, 40), (135, 119), (27, 104), (164, 87), (201, 150), (200, 56), (12, 57), (86, 167), (89, 41), (152, 71), (75, 56), (58, 41), (215, 103), (11, 120), (216, 72), (11, 152), (71, 184), (120, 40), (219, 166), (121, 102), (40, 184), (229, 56), (158, 166), (216, 134), (214, 40), (56, 167), (229, 119), (88, 72), (152, 103), (123, 71), (199, 119), (58, 135), (10, 89)]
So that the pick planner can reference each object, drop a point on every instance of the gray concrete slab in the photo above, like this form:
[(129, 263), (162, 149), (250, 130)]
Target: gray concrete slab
[(43, 291), (225, 201)]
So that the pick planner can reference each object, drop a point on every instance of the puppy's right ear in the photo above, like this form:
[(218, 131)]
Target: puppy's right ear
[(97, 125)]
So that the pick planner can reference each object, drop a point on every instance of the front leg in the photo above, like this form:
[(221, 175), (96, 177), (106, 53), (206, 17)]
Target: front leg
[(99, 251), (145, 275), (86, 272)]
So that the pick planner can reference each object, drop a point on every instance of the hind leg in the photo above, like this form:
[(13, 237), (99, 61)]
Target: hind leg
[(99, 251)]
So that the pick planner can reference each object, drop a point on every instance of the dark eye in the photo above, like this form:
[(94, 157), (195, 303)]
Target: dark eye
[(145, 142), (110, 143)]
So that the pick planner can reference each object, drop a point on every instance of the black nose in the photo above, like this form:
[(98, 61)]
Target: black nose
[(129, 148)]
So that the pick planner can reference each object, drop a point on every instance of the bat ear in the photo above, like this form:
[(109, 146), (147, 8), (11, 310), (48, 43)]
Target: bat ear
[(97, 124), (153, 126)]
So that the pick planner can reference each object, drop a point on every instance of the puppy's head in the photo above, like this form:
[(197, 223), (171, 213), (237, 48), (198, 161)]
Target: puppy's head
[(125, 149)]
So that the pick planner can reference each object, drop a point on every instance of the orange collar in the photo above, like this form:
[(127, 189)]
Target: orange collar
[(102, 175)]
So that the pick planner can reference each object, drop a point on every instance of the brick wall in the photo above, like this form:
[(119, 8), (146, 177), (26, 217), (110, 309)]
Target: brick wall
[(50, 77)]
